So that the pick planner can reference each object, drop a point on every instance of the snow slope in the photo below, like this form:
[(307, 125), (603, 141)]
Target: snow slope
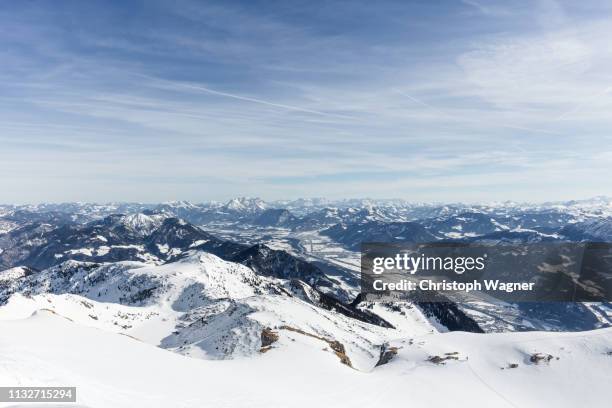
[(200, 306), (201, 331), (111, 370)]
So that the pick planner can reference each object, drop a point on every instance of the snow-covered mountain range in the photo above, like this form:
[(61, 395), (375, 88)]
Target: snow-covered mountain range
[(274, 287), (316, 212)]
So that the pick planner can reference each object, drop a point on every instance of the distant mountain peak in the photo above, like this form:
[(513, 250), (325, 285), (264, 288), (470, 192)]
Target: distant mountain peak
[(179, 204), (245, 204), (142, 224)]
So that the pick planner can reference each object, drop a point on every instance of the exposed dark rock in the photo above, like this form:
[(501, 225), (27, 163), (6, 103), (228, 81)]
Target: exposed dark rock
[(441, 360), (386, 354), (335, 345), (450, 316), (538, 358), (268, 337)]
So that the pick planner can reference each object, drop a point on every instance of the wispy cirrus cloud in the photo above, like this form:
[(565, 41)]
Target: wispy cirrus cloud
[(455, 101)]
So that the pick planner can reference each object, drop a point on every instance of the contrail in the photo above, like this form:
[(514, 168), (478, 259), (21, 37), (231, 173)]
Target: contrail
[(578, 107), (438, 111), (548, 132), (420, 102), (244, 98)]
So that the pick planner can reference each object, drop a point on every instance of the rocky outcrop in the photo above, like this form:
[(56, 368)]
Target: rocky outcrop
[(268, 337), (386, 354), (336, 346)]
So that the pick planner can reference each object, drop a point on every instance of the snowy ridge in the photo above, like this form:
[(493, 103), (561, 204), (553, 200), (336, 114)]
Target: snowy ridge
[(200, 305)]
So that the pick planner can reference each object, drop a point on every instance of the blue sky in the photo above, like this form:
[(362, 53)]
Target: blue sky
[(428, 101)]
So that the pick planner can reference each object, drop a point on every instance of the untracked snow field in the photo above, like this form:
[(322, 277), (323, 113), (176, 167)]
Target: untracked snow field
[(532, 369)]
